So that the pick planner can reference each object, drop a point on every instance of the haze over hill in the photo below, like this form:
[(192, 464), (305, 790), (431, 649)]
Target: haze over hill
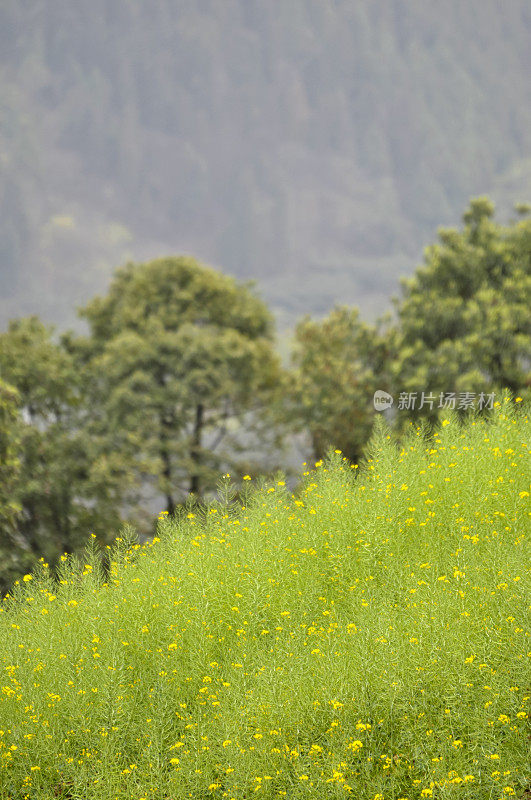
[(312, 145)]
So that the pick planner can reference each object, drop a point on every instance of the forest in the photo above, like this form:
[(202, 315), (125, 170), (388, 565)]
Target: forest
[(313, 146)]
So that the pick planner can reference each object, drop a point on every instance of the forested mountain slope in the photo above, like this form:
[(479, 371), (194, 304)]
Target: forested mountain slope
[(314, 145)]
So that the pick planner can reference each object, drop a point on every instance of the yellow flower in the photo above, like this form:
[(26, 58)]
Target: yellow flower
[(27, 578), (247, 477)]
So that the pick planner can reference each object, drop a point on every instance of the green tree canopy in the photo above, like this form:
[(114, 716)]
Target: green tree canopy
[(9, 453), (10, 555), (339, 362), (56, 481), (180, 357), (465, 317)]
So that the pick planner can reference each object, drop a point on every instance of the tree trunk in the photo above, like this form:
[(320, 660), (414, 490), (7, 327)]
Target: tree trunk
[(195, 451), (166, 463)]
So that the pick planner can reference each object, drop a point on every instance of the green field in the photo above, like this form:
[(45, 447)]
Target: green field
[(365, 637)]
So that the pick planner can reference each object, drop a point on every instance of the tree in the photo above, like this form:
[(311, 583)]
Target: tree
[(57, 483), (9, 455), (12, 560), (465, 316), (180, 357), (339, 362)]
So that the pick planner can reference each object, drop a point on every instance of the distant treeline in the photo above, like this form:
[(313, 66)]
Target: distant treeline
[(178, 380), (280, 140)]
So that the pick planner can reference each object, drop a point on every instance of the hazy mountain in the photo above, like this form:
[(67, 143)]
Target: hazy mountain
[(314, 145)]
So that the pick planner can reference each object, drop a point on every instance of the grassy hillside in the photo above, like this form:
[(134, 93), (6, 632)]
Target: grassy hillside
[(365, 637), (312, 145)]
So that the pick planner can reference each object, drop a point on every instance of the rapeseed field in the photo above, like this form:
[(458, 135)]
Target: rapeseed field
[(366, 637)]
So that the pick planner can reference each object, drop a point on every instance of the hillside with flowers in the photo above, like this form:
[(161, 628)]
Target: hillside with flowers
[(364, 637)]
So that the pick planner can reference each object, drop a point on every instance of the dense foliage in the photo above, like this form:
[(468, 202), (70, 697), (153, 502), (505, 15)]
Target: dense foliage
[(465, 317), (59, 485), (313, 144), (182, 365), (338, 364), (365, 637), (462, 328), (13, 560)]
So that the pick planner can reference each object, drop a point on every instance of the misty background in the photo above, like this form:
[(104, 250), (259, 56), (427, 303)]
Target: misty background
[(312, 145)]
